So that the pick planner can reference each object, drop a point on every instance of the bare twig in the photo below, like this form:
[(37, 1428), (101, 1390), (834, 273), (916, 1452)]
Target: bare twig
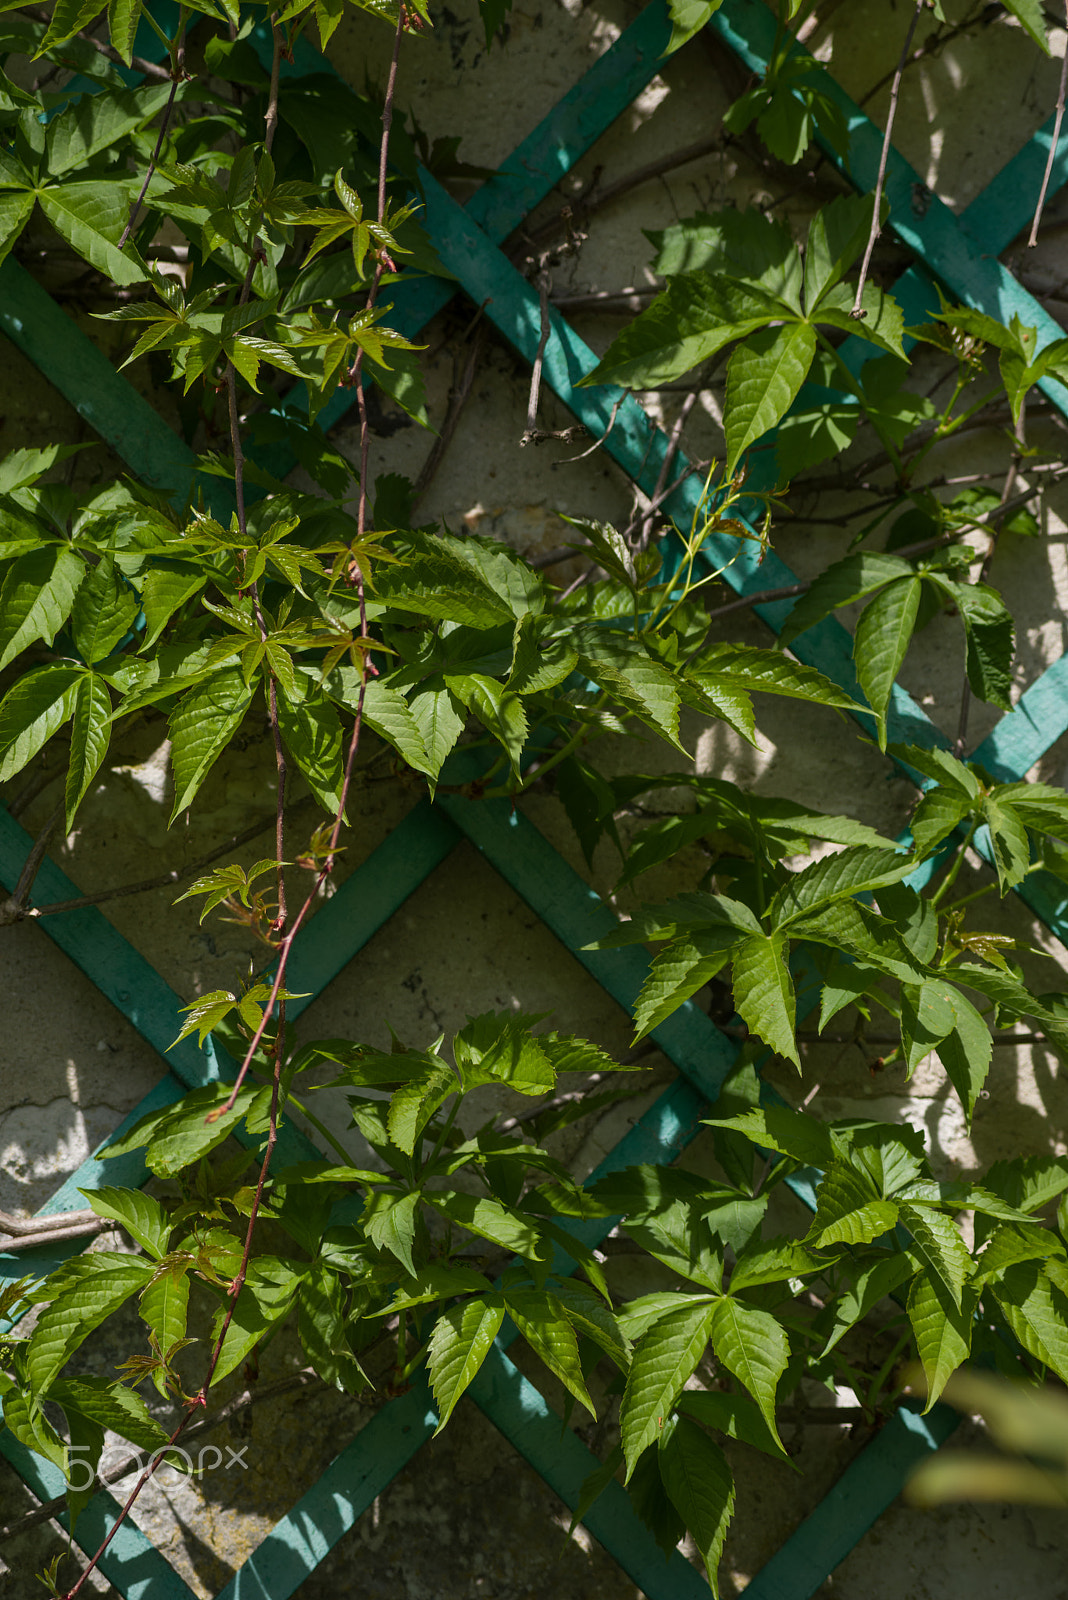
[(649, 515), (584, 206), (628, 300), (1051, 158), (597, 443), (176, 74), (544, 282), (457, 401), (997, 518), (876, 221)]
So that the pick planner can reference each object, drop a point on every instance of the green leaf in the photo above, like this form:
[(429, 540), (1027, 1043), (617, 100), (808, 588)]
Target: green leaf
[(311, 732), (678, 972), (1036, 1313), (939, 1242), (36, 598), (664, 1359), (69, 1320), (937, 815), (697, 315), (323, 1323), (111, 1405), (499, 710), (621, 664), (884, 630), (843, 582), (849, 1210), (735, 1415), (389, 1220), (1028, 14), (267, 1297), (836, 237), (871, 1285), (164, 591), (489, 1220), (458, 1346), (882, 323), (201, 726), (90, 738), (103, 612), (764, 992), (15, 211), (764, 376), (753, 1346), (34, 709), (543, 1322), (123, 18), (699, 1484), (497, 1047), (93, 123), (943, 1333), (990, 636), (789, 1133), (687, 18), (164, 1305), (966, 1051), (415, 1102), (849, 872), (91, 217), (813, 434), (140, 1215), (422, 737)]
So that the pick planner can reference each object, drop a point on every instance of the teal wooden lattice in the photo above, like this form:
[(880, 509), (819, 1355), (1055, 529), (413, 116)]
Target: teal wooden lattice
[(959, 252)]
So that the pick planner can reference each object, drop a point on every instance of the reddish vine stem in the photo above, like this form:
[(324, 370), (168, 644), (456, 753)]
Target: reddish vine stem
[(177, 73), (1051, 158), (876, 223)]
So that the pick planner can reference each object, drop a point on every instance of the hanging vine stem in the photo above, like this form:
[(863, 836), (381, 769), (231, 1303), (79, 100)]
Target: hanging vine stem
[(177, 73), (288, 933), (858, 311), (1051, 158)]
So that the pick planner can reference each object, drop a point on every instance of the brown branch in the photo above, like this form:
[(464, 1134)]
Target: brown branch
[(876, 222), (13, 909), (629, 300), (1057, 120)]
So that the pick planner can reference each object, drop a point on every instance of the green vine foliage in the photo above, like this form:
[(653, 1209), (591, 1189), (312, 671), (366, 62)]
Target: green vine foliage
[(244, 597)]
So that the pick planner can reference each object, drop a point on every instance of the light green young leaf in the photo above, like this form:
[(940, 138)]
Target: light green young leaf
[(764, 993), (753, 1346), (687, 18), (458, 1346), (699, 1485), (201, 726), (497, 1047), (764, 376), (884, 631), (664, 1359), (1028, 14)]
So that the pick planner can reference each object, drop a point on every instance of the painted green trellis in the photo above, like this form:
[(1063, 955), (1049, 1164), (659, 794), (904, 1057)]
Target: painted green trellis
[(962, 253)]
